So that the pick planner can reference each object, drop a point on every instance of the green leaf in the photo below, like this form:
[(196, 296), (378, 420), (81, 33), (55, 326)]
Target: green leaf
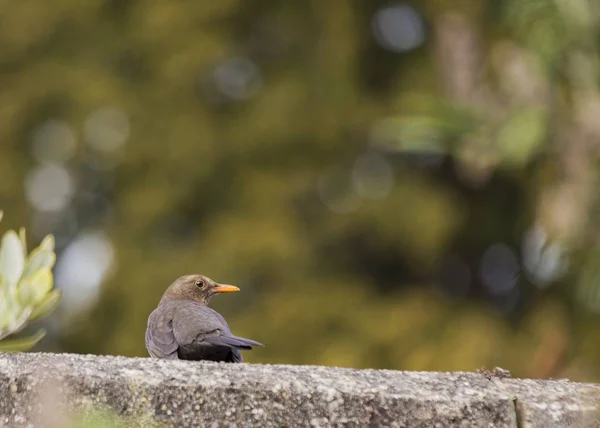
[(14, 319), (21, 344), (40, 258), (9, 308), (12, 260), (7, 312), (521, 136), (428, 128), (47, 243), (23, 238), (46, 306), (32, 289)]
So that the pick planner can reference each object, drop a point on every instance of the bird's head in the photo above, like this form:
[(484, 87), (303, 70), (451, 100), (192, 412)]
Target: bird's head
[(199, 288)]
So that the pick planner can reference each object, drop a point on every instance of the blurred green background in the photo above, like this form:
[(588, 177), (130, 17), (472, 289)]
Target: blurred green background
[(406, 185)]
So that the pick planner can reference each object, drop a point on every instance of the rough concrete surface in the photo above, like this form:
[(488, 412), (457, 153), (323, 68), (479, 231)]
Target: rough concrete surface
[(37, 389)]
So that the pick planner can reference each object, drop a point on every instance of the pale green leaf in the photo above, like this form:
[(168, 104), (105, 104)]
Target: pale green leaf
[(12, 260), (32, 289), (47, 243), (38, 259), (9, 308), (8, 312), (23, 238), (45, 307), (21, 344), (15, 319)]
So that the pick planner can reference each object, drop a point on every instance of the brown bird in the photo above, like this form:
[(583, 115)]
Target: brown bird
[(184, 327)]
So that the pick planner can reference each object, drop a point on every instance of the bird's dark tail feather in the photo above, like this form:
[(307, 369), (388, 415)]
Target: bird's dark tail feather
[(249, 341), (233, 342)]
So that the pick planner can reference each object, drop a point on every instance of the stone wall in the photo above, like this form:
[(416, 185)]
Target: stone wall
[(38, 389)]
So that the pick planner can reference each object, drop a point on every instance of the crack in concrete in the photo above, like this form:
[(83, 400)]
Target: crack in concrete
[(519, 417)]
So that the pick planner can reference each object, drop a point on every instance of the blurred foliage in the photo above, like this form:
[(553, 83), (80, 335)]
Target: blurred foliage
[(26, 288), (488, 129)]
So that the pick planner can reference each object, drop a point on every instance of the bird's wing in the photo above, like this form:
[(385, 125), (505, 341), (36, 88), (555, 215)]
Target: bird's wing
[(200, 324), (160, 338)]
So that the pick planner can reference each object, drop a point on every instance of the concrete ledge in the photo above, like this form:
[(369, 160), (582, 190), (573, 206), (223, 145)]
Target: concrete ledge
[(37, 388)]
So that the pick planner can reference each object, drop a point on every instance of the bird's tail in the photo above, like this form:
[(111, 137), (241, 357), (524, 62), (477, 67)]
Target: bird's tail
[(233, 342)]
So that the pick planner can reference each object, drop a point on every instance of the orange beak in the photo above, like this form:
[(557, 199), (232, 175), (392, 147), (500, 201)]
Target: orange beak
[(225, 289)]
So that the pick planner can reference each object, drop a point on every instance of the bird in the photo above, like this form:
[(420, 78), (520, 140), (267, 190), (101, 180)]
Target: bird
[(184, 327)]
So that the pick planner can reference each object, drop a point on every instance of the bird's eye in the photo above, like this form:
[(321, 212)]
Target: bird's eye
[(199, 283)]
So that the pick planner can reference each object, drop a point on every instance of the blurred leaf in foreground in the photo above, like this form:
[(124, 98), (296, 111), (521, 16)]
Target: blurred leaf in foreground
[(26, 288)]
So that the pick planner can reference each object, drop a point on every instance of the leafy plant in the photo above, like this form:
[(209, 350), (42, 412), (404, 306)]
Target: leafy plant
[(26, 288)]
